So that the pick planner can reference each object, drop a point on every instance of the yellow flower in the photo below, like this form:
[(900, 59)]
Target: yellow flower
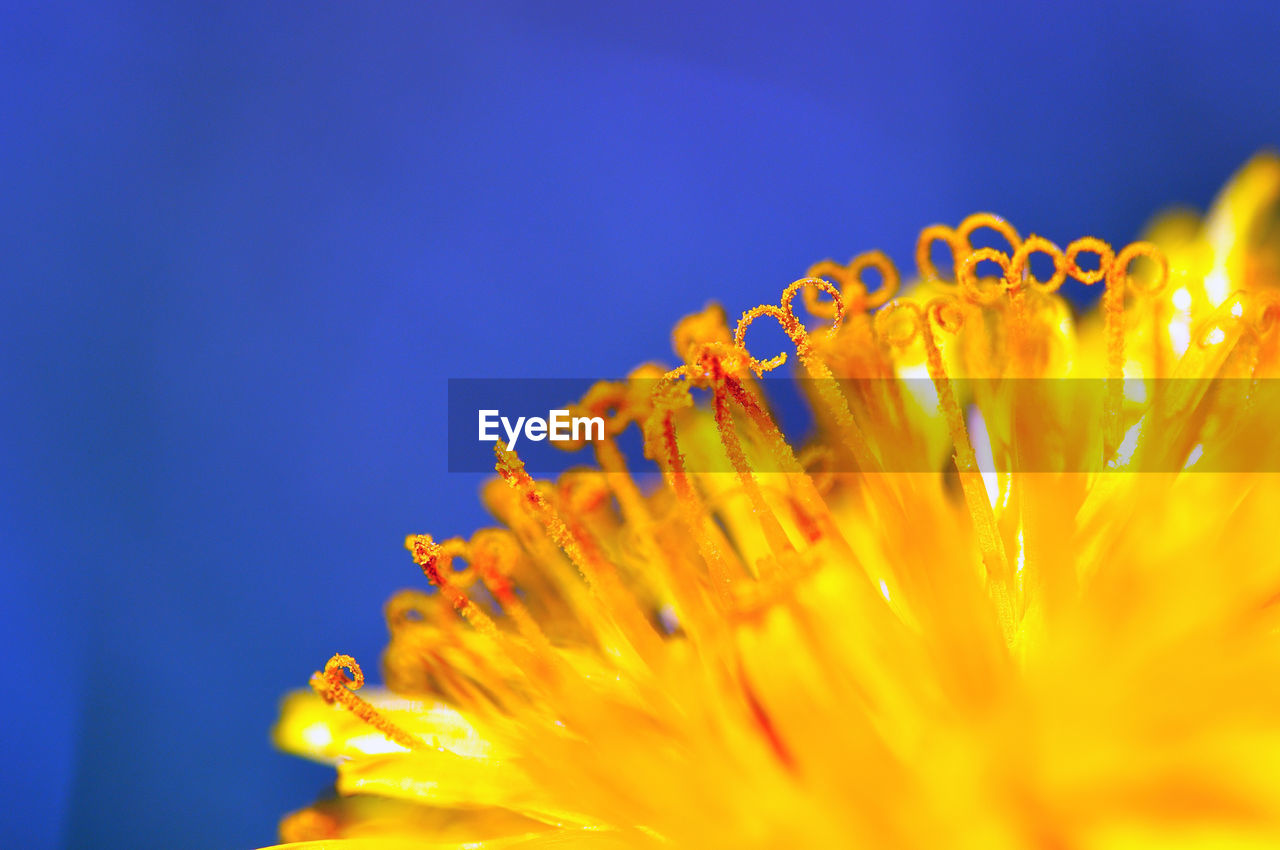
[(974, 611)]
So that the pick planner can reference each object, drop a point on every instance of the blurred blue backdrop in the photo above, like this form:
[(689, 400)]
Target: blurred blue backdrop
[(245, 244)]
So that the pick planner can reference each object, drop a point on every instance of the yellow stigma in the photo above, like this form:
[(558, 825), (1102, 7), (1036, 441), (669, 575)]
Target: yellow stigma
[(981, 606)]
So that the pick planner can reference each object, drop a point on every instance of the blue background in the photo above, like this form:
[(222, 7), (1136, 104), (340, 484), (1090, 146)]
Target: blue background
[(244, 245)]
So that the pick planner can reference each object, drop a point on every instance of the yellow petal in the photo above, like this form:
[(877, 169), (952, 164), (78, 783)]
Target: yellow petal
[(310, 727)]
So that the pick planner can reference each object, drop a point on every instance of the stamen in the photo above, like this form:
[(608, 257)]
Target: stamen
[(1021, 266), (660, 431), (988, 295), (1131, 252), (739, 334), (841, 274), (1113, 329), (1093, 246), (334, 686), (991, 221), (436, 561), (677, 575), (971, 483), (890, 280), (1117, 279), (854, 292), (495, 557), (924, 262), (811, 504), (714, 362), (769, 525), (1150, 289), (824, 381), (1021, 278), (532, 656), (410, 607), (828, 390), (599, 574)]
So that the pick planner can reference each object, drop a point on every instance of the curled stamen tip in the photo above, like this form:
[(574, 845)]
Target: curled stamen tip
[(947, 313), (1089, 245), (889, 279), (823, 270), (936, 233), (1119, 269), (990, 220), (1021, 264), (810, 286), (407, 607), (784, 318), (969, 283), (898, 323), (335, 675)]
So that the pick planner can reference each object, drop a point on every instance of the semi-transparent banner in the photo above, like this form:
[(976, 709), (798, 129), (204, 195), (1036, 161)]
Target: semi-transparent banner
[(786, 425)]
